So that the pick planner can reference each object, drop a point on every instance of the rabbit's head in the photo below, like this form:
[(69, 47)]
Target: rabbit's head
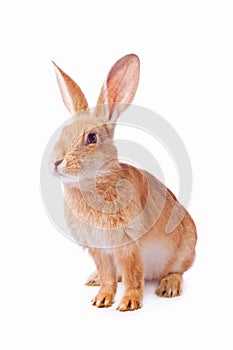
[(85, 149)]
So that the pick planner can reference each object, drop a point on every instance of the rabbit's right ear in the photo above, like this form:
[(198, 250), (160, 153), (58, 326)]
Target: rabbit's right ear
[(120, 86), (72, 95)]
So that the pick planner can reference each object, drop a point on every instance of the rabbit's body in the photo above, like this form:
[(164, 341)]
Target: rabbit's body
[(132, 225), (161, 252)]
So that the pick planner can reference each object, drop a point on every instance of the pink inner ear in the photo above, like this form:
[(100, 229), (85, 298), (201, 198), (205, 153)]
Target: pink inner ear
[(122, 82)]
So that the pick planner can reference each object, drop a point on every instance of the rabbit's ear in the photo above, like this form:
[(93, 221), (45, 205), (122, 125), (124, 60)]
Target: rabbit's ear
[(72, 95), (120, 87)]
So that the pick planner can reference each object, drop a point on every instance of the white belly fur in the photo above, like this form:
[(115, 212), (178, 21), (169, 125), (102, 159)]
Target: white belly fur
[(155, 256)]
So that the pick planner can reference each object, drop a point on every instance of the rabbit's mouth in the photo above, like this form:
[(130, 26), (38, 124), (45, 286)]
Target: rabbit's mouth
[(82, 175), (57, 171)]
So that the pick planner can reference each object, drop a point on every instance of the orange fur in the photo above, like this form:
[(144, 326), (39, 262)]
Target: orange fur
[(132, 225)]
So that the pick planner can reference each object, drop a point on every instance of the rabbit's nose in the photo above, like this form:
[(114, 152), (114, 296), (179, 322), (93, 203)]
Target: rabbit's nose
[(57, 163)]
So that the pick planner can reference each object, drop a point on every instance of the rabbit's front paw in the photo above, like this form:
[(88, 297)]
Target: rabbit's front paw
[(131, 301), (103, 299)]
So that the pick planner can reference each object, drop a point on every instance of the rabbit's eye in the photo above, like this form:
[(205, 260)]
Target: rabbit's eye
[(91, 138)]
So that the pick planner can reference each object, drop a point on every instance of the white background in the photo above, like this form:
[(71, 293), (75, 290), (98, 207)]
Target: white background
[(186, 54)]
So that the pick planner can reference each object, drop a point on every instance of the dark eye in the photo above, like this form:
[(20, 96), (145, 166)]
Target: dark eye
[(91, 138)]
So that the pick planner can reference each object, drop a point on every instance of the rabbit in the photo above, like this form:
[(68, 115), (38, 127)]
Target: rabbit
[(132, 225)]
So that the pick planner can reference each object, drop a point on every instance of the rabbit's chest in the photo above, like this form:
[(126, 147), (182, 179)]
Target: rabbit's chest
[(89, 233)]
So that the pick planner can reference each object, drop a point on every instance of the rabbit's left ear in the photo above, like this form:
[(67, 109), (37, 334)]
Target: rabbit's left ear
[(120, 86), (71, 93)]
